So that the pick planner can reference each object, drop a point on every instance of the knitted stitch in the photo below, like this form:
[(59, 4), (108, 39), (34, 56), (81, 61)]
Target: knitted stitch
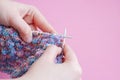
[(16, 56)]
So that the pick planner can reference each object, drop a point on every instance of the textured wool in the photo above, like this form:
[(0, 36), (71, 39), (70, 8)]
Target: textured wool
[(16, 56)]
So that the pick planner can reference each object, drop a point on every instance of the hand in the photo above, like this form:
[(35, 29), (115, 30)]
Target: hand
[(23, 18), (45, 68)]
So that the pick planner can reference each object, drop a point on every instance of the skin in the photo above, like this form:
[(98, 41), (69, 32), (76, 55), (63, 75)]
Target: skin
[(25, 18), (45, 68)]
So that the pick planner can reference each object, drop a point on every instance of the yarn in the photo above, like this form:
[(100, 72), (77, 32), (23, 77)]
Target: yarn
[(16, 56)]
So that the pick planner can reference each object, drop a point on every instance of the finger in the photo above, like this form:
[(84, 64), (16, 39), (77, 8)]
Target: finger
[(50, 53), (41, 22), (33, 28), (22, 27), (69, 54)]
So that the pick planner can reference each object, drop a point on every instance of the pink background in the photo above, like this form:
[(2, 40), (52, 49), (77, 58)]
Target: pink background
[(95, 28)]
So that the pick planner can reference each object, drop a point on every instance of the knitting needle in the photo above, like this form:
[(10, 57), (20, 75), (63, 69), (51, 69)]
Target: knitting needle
[(64, 35), (62, 53), (69, 37)]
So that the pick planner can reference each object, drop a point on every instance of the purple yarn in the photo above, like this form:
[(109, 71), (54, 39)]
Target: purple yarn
[(17, 56)]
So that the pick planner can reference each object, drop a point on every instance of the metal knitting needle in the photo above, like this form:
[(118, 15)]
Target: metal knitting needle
[(63, 45), (64, 36)]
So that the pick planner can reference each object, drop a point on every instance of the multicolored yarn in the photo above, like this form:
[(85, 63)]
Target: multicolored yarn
[(16, 56)]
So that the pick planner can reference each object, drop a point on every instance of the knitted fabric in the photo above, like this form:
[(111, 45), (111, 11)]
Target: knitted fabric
[(16, 56)]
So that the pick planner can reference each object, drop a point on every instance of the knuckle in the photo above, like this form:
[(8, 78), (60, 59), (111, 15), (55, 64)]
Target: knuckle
[(77, 71)]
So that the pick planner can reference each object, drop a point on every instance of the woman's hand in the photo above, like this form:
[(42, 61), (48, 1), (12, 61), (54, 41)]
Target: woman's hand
[(45, 68), (23, 17)]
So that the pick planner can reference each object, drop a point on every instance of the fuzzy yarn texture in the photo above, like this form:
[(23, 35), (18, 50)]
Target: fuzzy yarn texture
[(16, 56)]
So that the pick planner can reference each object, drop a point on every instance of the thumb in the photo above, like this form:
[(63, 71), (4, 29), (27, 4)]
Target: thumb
[(70, 55), (22, 27), (50, 53)]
